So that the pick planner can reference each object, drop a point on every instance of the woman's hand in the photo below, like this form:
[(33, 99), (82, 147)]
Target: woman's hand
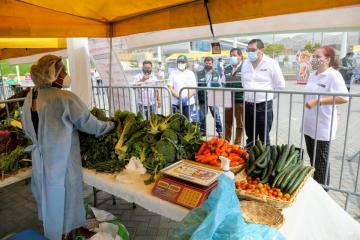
[(312, 103)]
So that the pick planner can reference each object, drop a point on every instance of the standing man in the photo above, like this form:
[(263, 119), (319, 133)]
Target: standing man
[(346, 69), (146, 96), (208, 77), (232, 75), (260, 72), (182, 78)]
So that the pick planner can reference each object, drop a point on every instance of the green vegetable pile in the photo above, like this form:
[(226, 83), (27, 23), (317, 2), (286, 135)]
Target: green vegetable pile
[(16, 159), (157, 142)]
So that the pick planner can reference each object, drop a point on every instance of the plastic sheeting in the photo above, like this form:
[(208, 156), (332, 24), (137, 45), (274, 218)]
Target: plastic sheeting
[(219, 218)]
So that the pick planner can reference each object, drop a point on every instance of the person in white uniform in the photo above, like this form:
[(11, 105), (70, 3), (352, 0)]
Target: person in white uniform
[(51, 118), (325, 79), (147, 98), (182, 78), (260, 72)]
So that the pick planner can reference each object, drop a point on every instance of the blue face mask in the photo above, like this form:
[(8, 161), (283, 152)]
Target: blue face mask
[(252, 56), (233, 60)]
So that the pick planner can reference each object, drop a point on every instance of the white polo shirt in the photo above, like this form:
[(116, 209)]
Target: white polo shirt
[(145, 96), (180, 79), (266, 76), (329, 81)]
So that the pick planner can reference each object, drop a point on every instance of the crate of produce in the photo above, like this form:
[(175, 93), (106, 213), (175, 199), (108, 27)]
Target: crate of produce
[(273, 174)]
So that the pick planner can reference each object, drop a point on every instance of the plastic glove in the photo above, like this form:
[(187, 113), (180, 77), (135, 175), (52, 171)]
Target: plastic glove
[(184, 101)]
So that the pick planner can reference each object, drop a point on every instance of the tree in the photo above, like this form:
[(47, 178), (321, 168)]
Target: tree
[(311, 47), (286, 58), (274, 49)]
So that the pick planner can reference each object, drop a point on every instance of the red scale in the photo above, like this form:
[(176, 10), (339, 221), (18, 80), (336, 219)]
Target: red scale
[(186, 183)]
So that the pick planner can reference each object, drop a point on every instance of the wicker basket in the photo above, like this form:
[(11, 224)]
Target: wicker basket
[(278, 203), (261, 213)]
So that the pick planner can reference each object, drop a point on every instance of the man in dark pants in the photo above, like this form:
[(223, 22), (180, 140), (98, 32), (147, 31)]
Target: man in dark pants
[(346, 69), (208, 77), (232, 74), (260, 72)]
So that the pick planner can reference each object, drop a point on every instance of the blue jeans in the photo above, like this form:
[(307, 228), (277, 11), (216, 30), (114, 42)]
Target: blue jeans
[(216, 115), (261, 112), (186, 110), (144, 110)]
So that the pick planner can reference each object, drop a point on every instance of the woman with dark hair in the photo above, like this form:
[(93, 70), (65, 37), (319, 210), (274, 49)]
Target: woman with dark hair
[(319, 127)]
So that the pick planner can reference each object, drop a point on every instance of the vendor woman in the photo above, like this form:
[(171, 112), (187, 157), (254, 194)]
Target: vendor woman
[(325, 79), (51, 119)]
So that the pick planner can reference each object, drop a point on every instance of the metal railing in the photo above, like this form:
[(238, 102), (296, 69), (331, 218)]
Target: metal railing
[(146, 100), (288, 108), (10, 105)]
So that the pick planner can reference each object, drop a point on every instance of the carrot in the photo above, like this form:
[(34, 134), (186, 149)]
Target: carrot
[(224, 154), (234, 163), (217, 163), (207, 151), (220, 143), (234, 158), (213, 141), (202, 149)]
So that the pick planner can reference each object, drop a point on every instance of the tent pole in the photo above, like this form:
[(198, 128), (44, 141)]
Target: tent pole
[(110, 66)]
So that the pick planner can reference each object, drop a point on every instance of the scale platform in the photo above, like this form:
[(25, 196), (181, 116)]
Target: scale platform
[(186, 183)]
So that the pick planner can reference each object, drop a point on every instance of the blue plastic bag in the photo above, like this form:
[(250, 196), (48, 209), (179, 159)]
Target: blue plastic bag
[(219, 218)]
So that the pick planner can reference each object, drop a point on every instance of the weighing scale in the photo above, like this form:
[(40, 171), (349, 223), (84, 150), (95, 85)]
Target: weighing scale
[(186, 183)]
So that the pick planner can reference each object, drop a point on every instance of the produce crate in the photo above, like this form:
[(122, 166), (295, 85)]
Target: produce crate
[(278, 203)]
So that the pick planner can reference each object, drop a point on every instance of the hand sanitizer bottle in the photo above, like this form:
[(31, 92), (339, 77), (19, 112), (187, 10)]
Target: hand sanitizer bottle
[(225, 165)]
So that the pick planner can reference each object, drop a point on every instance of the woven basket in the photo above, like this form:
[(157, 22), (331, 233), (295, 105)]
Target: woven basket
[(278, 203), (261, 213)]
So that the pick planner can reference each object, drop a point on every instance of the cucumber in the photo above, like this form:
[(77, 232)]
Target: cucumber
[(292, 149), (263, 160), (278, 148), (299, 180), (282, 158), (251, 159), (288, 161), (256, 151), (274, 154), (293, 179), (259, 144), (290, 176), (265, 179), (280, 175), (266, 169)]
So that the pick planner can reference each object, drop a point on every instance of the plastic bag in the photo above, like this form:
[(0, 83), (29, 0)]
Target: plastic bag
[(219, 218), (132, 170)]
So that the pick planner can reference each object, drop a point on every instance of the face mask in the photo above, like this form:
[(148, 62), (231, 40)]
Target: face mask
[(181, 66), (252, 56), (316, 63), (66, 81), (233, 60), (146, 71)]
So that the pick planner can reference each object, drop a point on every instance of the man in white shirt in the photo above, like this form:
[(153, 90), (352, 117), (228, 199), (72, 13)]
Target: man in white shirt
[(260, 72), (182, 78), (146, 97)]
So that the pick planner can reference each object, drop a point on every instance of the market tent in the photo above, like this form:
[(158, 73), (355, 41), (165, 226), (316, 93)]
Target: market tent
[(18, 47), (347, 19), (108, 18)]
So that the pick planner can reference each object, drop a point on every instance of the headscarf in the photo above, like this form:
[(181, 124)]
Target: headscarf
[(46, 70)]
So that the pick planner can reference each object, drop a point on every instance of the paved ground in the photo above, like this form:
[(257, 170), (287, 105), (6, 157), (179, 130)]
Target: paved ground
[(18, 210)]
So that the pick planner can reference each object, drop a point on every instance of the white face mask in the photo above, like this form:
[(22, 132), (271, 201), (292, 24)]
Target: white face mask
[(66, 81), (181, 66)]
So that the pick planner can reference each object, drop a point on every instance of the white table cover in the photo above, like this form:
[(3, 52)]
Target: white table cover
[(19, 176), (314, 215)]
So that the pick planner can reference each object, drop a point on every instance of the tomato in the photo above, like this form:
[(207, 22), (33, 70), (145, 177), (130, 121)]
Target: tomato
[(287, 196), (280, 194), (257, 191), (260, 186), (257, 179)]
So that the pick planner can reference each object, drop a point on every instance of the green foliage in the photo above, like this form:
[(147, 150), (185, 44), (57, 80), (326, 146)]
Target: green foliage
[(274, 50), (286, 58), (311, 47), (7, 69)]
